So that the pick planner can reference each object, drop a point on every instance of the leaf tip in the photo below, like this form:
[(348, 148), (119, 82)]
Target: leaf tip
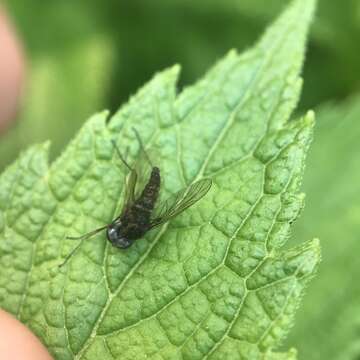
[(308, 7), (175, 69), (169, 75), (314, 248), (317, 247), (310, 117)]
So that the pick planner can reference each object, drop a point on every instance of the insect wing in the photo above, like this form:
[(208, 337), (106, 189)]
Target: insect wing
[(143, 168), (136, 180), (180, 201), (130, 185)]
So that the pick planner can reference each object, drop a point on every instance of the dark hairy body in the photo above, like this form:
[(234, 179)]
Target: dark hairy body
[(136, 219)]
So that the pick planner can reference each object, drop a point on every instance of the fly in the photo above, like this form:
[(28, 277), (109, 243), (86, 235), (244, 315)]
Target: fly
[(139, 214)]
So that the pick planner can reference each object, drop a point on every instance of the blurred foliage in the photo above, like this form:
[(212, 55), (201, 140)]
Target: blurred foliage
[(328, 322), (69, 69), (61, 92), (142, 37), (151, 35)]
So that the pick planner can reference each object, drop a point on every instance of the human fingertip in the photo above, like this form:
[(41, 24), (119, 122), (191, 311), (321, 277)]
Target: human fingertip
[(17, 342), (12, 69)]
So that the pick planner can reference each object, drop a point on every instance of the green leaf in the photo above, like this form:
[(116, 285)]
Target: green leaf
[(333, 209), (214, 283)]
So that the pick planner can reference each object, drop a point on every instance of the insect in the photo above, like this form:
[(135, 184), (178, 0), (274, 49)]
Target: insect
[(139, 214)]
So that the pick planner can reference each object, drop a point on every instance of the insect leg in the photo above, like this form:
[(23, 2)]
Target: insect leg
[(82, 237), (68, 256), (142, 147), (87, 235), (120, 155)]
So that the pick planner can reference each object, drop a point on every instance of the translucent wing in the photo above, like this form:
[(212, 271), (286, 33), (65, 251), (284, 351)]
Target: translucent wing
[(143, 170), (180, 201), (130, 185), (138, 176), (142, 165)]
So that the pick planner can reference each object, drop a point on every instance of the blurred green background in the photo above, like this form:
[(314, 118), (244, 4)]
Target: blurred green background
[(84, 56)]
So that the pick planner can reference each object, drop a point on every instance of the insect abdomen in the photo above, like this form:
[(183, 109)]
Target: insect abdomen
[(150, 193)]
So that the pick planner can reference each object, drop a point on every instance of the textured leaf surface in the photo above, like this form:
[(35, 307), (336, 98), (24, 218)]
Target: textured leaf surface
[(212, 284), (333, 209)]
